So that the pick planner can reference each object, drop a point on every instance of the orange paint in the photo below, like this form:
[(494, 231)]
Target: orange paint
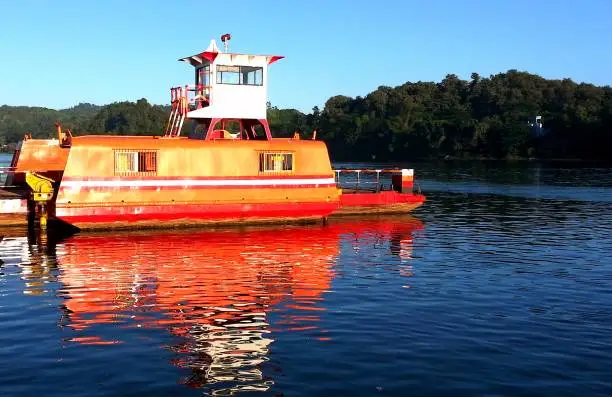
[(194, 178), (127, 181), (43, 156)]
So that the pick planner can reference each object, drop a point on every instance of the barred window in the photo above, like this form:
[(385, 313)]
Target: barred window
[(135, 162), (275, 162), (147, 161)]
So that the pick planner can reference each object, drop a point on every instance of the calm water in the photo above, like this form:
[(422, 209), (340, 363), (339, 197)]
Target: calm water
[(498, 286), (5, 161)]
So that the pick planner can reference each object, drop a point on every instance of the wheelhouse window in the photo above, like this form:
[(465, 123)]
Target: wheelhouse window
[(135, 162), (240, 75), (274, 162), (251, 75), (203, 75)]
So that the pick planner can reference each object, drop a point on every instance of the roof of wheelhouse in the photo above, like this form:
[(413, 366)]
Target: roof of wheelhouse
[(211, 53)]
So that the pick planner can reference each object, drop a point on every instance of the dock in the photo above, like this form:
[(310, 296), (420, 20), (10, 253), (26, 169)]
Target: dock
[(13, 206)]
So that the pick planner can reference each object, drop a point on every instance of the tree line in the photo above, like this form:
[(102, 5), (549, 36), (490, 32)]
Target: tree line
[(484, 117)]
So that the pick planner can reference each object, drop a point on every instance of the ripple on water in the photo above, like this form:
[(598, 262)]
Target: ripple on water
[(483, 294)]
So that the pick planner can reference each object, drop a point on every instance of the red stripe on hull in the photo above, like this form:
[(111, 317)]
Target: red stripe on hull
[(193, 212), (388, 202)]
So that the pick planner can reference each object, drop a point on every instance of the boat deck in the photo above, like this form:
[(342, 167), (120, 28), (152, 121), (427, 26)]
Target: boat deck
[(13, 207), (359, 190), (362, 193)]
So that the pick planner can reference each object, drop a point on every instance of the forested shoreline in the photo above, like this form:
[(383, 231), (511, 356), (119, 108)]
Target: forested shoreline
[(491, 117)]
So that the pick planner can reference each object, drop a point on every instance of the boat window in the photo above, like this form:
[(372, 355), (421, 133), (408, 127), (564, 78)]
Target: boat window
[(135, 162), (240, 75), (251, 75), (147, 161), (228, 74), (275, 162), (203, 75)]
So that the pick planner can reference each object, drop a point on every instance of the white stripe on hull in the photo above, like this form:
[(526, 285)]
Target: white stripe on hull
[(197, 182)]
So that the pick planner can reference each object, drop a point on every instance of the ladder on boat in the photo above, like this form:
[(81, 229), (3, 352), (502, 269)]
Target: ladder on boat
[(181, 105), (178, 111)]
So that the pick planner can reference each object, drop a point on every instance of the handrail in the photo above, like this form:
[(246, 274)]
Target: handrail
[(371, 170), (4, 175), (181, 101), (7, 170), (359, 183), (201, 94), (363, 178)]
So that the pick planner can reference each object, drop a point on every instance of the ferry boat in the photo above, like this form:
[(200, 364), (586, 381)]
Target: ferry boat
[(227, 169)]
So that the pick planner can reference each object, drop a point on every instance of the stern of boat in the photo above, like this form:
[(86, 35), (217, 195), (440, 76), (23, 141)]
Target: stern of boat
[(377, 191)]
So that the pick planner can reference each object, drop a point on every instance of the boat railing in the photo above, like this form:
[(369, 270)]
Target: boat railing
[(196, 95), (372, 180), (4, 171), (184, 99)]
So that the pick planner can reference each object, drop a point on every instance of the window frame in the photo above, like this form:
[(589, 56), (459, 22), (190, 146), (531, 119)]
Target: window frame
[(240, 73), (138, 162), (267, 166), (204, 71)]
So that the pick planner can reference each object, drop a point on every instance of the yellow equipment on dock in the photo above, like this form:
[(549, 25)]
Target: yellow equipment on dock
[(41, 194)]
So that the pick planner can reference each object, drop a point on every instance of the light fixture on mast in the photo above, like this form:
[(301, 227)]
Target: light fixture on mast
[(225, 38)]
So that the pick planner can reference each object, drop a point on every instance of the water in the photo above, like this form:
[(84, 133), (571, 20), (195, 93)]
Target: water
[(498, 286), (5, 161)]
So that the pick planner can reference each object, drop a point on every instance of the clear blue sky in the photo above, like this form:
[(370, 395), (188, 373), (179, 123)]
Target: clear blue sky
[(59, 53)]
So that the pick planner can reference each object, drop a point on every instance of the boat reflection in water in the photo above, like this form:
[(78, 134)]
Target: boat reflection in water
[(215, 290)]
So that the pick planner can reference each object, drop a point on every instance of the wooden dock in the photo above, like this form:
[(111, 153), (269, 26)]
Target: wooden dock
[(13, 207)]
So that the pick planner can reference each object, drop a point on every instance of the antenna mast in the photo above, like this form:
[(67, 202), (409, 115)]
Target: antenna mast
[(225, 38)]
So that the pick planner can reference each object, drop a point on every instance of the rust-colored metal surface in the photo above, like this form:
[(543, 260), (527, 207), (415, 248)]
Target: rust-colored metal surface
[(195, 181), (401, 208), (43, 156), (151, 181), (390, 201)]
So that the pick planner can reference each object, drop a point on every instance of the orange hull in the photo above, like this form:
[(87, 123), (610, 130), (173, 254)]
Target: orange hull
[(148, 181)]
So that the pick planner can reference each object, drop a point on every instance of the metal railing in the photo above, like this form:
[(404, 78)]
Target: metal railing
[(196, 95), (373, 180), (4, 171), (183, 100), (369, 180)]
